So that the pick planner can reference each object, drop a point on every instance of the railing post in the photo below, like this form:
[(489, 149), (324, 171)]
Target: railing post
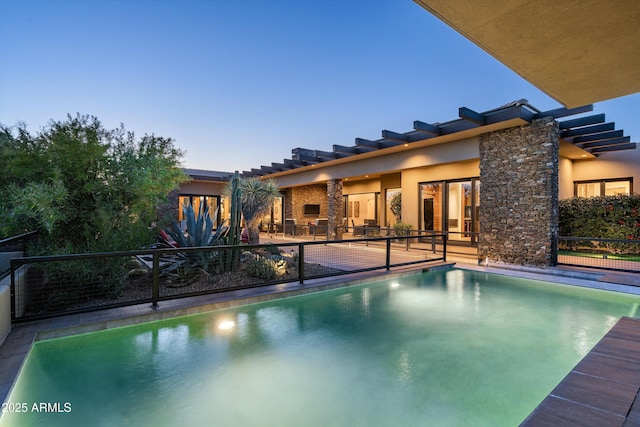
[(301, 262), (13, 290), (155, 286), (388, 255), (444, 247)]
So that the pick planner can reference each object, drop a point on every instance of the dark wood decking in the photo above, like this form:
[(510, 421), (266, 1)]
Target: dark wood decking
[(603, 389)]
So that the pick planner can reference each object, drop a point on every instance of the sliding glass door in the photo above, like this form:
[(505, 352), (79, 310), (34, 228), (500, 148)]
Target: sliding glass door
[(451, 206)]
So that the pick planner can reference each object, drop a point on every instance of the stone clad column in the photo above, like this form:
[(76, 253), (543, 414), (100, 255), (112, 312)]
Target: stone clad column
[(519, 197), (335, 203)]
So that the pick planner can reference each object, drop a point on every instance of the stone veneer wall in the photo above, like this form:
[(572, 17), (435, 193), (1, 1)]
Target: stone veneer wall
[(335, 209), (519, 196), (297, 197)]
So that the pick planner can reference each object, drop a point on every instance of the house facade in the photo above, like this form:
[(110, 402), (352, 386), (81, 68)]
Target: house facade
[(205, 187), (491, 179)]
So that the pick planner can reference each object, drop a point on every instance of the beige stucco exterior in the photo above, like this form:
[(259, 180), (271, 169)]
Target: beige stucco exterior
[(205, 188)]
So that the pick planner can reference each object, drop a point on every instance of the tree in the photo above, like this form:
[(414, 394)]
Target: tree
[(85, 188), (396, 206), (256, 197)]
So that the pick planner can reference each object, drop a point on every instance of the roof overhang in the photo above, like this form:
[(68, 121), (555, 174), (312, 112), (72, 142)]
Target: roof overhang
[(581, 137), (577, 52)]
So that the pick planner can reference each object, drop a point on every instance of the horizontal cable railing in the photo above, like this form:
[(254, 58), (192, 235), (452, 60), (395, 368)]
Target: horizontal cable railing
[(610, 254), (50, 286)]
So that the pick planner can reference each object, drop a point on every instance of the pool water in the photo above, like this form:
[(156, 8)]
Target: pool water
[(447, 348)]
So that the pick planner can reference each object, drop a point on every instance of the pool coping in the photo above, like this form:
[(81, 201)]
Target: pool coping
[(17, 345), (602, 389)]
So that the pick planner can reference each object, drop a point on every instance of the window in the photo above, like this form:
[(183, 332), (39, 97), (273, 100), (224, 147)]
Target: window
[(195, 200), (607, 187)]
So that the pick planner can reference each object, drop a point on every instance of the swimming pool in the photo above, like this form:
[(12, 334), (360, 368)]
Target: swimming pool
[(451, 347)]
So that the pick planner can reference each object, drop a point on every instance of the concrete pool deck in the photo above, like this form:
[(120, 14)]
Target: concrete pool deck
[(18, 343)]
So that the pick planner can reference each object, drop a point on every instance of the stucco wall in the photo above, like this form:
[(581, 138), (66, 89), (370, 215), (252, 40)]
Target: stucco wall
[(205, 188), (621, 164), (519, 197), (565, 178), (450, 152), (411, 178), (359, 187), (615, 165), (5, 308)]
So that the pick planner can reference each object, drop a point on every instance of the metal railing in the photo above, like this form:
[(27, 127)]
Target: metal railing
[(610, 254), (11, 246), (51, 286)]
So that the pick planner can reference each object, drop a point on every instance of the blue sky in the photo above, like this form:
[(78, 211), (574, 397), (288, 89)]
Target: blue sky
[(239, 83)]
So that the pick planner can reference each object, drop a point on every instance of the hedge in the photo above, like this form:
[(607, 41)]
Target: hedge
[(603, 217)]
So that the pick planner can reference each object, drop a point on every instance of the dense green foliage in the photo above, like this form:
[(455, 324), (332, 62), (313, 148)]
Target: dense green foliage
[(83, 187), (402, 229), (607, 217), (266, 268), (396, 206)]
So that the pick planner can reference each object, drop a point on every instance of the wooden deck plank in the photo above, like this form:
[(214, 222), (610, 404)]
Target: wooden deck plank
[(604, 387), (597, 393), (554, 412), (619, 370)]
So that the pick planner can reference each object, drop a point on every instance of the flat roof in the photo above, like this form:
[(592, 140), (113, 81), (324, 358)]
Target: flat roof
[(207, 175), (586, 136)]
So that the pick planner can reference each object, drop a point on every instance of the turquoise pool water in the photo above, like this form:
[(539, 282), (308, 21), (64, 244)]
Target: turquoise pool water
[(448, 348)]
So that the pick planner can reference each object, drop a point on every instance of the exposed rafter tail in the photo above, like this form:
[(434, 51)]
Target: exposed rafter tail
[(387, 134), (427, 128), (630, 146), (367, 143), (472, 116), (587, 130), (564, 112), (582, 121)]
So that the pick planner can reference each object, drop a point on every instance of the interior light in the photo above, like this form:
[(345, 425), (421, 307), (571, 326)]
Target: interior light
[(395, 284), (406, 145)]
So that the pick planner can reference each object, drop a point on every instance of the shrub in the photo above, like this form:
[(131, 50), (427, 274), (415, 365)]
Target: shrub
[(402, 229), (70, 283), (603, 217), (266, 268)]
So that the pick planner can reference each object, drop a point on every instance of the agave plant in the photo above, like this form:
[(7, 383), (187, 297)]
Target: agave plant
[(199, 233), (199, 230)]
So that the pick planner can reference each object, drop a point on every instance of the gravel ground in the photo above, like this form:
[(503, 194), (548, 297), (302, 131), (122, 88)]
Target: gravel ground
[(138, 288)]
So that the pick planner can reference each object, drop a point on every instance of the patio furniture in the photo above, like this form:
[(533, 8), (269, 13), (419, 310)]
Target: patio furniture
[(320, 227)]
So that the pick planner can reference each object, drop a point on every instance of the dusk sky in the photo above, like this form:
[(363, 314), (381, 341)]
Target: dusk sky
[(239, 83)]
